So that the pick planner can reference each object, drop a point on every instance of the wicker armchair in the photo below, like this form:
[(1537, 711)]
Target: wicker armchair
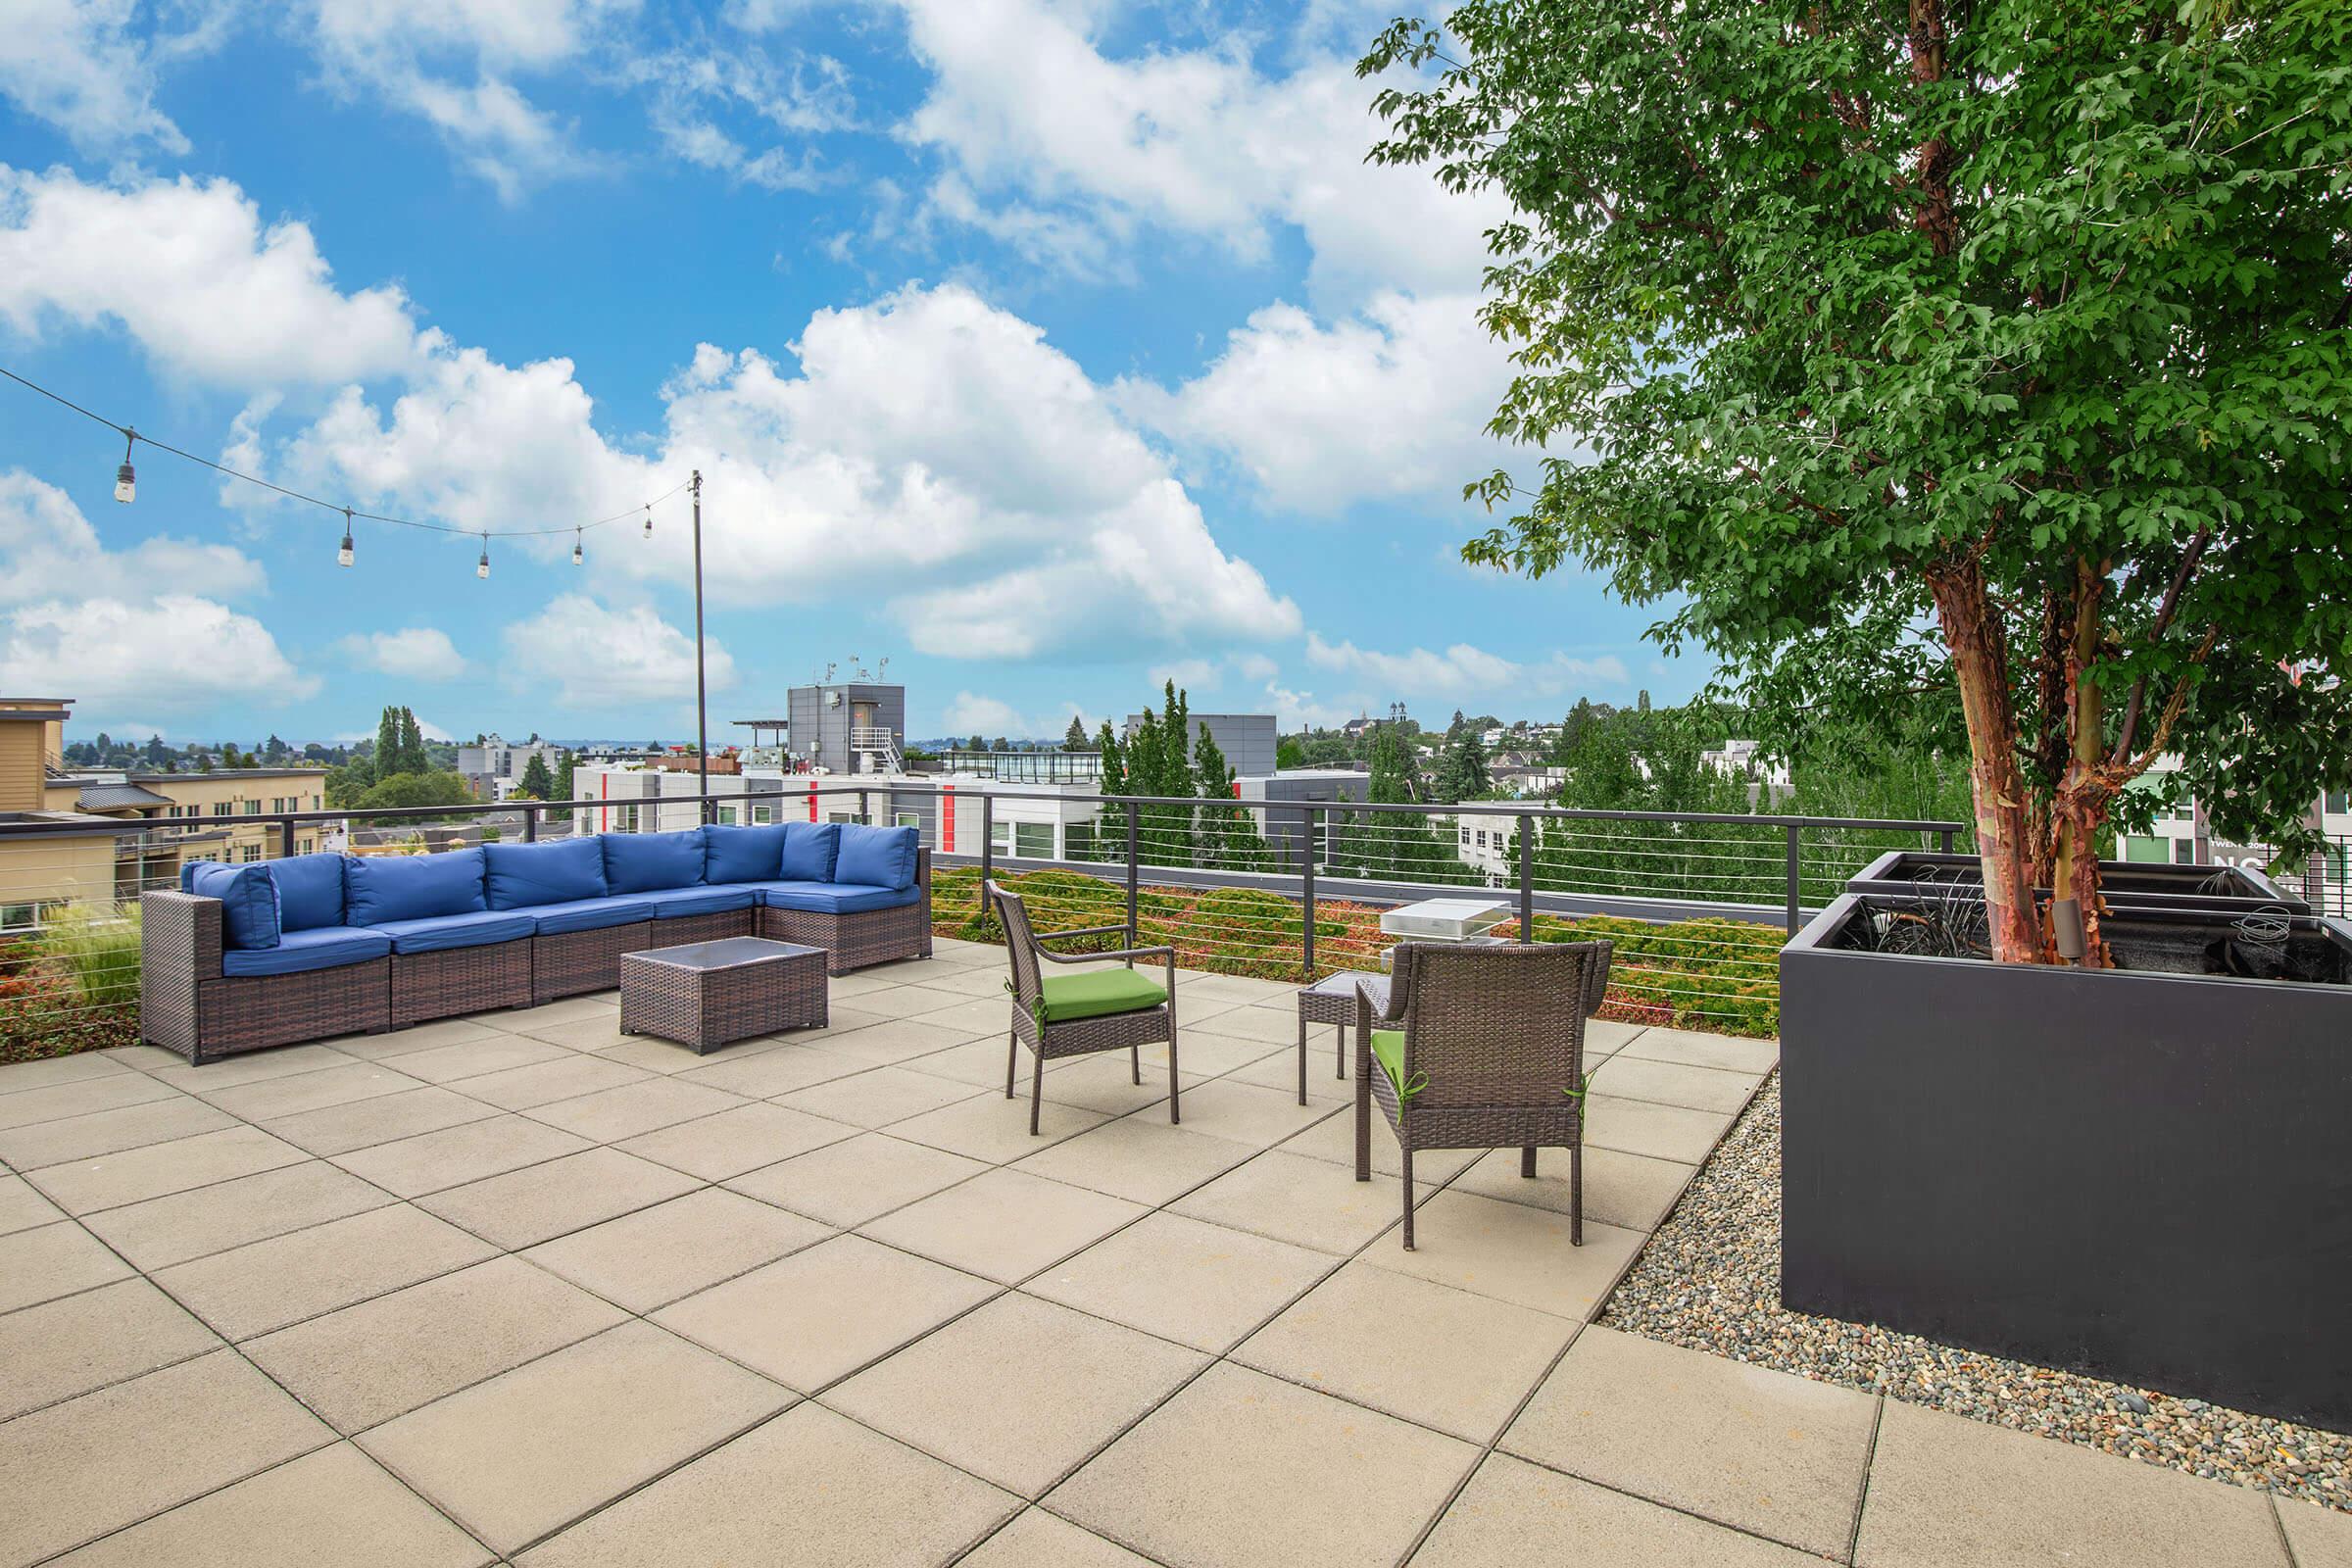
[(1484, 1049), (1119, 1015)]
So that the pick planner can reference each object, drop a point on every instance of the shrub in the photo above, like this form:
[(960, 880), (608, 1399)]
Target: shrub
[(97, 946)]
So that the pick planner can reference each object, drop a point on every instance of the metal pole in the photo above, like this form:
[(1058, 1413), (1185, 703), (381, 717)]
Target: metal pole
[(530, 825), (702, 710), (1795, 914), (988, 837), (1131, 873), (1944, 841), (285, 839), (1527, 879), (1306, 883), (865, 810)]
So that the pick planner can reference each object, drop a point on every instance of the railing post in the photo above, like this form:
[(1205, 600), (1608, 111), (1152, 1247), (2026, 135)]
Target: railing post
[(1527, 878), (1944, 841), (1795, 913), (865, 810), (530, 824), (1132, 864), (285, 839), (988, 839), (1306, 883)]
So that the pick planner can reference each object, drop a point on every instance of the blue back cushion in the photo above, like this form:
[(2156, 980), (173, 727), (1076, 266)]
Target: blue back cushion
[(810, 850), (379, 888), (524, 874), (650, 862), (741, 853), (249, 907), (310, 891), (876, 857)]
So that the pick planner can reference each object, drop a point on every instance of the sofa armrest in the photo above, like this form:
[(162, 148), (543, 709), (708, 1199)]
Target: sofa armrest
[(180, 949)]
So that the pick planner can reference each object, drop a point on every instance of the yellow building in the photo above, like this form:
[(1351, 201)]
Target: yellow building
[(51, 855), (171, 805)]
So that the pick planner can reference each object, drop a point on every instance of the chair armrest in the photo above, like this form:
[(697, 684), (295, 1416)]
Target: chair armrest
[(1086, 931), (1168, 954)]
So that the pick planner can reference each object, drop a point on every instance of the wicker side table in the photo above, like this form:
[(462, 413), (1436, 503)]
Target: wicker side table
[(1332, 1000), (706, 994)]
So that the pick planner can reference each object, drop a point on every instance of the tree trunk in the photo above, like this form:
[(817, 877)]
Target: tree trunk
[(2079, 810), (1971, 630)]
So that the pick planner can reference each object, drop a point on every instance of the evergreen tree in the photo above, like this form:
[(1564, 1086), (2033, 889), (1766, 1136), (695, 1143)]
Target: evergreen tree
[(1074, 738), (565, 787), (1114, 759), (1462, 773), (411, 745), (386, 761), (978, 742), (154, 754), (537, 782)]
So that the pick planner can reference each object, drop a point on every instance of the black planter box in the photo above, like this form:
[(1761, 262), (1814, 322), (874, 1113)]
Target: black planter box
[(2143, 1176), (2125, 884)]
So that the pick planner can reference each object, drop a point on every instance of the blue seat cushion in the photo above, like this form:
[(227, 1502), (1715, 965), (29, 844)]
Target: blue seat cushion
[(741, 853), (647, 862), (441, 933), (323, 948), (589, 914), (810, 852), (672, 903), (310, 890), (876, 857), (250, 917), (523, 875), (379, 888), (833, 898)]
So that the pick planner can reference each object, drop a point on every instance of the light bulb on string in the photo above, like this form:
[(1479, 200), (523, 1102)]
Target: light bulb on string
[(343, 555), (126, 483), (482, 568), (577, 556), (648, 519)]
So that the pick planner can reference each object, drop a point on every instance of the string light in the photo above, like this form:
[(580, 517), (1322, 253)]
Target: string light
[(127, 488)]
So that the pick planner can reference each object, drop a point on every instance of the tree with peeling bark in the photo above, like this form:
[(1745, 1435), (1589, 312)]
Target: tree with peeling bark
[(1996, 347)]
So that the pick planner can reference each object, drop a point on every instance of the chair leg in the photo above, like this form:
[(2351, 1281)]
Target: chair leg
[(1175, 1112), (1407, 1154), (1527, 1162), (1037, 1091), (1013, 1060), (1339, 1051), (1135, 1063), (1576, 1194), (1302, 1055), (1364, 1126)]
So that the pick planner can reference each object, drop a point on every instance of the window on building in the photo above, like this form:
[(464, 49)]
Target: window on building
[(764, 814), (840, 817), (2185, 850), (727, 814), (625, 818), (1033, 841), (19, 916), (2338, 802), (912, 820), (2139, 847), (253, 807), (250, 853), (1482, 837), (999, 837)]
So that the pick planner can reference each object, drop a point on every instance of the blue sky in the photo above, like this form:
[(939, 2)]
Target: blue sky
[(1044, 346)]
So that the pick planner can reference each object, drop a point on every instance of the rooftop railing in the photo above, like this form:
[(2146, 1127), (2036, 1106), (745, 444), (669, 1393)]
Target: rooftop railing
[(1698, 904)]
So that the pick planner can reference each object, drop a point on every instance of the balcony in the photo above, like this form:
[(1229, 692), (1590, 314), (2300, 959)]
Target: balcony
[(515, 1286)]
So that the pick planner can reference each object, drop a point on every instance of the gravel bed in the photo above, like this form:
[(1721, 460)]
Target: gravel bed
[(1709, 1280)]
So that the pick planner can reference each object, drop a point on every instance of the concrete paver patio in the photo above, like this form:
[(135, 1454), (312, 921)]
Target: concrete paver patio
[(520, 1289)]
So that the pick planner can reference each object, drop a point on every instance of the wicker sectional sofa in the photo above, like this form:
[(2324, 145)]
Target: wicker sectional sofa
[(249, 957)]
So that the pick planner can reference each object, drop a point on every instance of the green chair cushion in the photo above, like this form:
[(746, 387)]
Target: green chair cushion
[(1096, 994), (1387, 1050)]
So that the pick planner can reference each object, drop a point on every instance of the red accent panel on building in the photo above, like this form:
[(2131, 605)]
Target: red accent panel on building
[(947, 819)]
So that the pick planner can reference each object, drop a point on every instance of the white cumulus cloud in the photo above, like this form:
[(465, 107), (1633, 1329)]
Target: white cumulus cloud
[(413, 653), (1466, 672), (113, 656), (581, 654)]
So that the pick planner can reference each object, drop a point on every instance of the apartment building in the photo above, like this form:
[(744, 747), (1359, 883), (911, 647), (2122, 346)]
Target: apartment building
[(494, 768), (2183, 835), (52, 854)]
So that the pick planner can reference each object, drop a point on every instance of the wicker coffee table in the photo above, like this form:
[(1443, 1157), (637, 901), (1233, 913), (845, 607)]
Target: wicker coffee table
[(706, 994), (1332, 1000)]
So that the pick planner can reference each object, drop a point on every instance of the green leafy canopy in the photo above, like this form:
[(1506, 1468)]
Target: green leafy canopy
[(1812, 302)]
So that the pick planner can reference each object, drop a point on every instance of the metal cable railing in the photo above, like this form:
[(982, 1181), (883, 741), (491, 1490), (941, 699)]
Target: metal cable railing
[(1697, 906)]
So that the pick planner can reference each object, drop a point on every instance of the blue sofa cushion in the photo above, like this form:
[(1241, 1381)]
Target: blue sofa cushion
[(379, 889), (588, 914), (442, 932), (741, 853), (310, 890), (644, 863), (672, 903), (834, 897), (250, 917), (523, 875), (876, 856), (328, 946), (809, 850)]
